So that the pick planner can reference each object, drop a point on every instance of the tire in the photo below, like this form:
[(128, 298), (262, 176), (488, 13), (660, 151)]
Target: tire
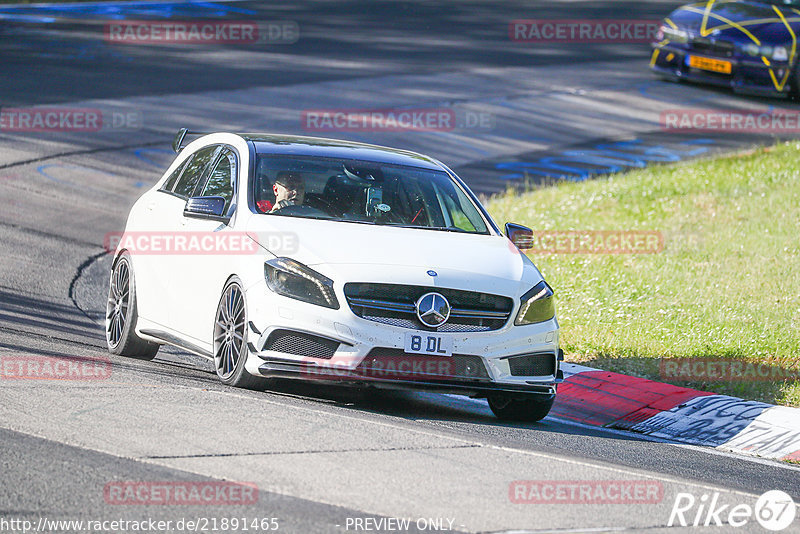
[(230, 339), (530, 409), (121, 314)]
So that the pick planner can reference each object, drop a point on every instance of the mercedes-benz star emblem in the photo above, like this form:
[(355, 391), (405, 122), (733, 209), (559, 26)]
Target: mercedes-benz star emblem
[(433, 310)]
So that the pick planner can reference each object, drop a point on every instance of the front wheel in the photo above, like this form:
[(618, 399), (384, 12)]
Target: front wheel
[(230, 339), (121, 314), (530, 409)]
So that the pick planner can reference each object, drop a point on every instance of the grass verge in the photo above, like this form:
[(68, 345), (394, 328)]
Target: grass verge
[(726, 285)]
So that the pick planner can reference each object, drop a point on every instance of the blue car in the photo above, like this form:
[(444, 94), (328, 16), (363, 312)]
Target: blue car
[(750, 46)]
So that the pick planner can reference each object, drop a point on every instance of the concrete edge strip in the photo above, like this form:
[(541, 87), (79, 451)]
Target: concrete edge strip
[(612, 400)]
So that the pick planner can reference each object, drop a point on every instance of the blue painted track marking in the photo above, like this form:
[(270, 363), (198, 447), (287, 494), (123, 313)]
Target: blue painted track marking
[(140, 153), (44, 170), (603, 158), (121, 10)]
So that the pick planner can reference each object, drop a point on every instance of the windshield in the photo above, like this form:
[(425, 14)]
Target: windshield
[(363, 192)]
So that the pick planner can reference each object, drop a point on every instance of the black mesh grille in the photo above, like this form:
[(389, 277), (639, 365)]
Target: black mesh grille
[(395, 364), (301, 344), (414, 324), (712, 48), (472, 303), (533, 365)]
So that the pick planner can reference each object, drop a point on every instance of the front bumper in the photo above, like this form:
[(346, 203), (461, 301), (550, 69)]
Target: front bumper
[(273, 368), (357, 343), (749, 76)]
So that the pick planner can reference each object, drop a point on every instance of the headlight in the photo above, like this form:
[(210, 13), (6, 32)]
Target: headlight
[(674, 35), (751, 49), (779, 53), (537, 305), (293, 279)]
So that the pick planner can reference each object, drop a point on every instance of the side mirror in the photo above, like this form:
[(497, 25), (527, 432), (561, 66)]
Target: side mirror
[(521, 236), (205, 208)]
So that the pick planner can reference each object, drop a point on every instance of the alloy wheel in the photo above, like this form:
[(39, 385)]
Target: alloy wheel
[(118, 303), (229, 331)]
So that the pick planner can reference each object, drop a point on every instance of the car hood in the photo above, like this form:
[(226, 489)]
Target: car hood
[(724, 19), (368, 253)]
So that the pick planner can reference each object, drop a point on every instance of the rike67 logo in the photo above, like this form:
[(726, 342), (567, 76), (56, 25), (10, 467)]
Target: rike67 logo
[(774, 510)]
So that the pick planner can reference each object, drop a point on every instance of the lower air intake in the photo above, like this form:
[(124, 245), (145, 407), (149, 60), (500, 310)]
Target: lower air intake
[(301, 344), (533, 365)]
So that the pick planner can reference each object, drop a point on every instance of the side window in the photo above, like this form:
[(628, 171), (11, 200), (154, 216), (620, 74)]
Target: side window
[(194, 171), (220, 181), (169, 185)]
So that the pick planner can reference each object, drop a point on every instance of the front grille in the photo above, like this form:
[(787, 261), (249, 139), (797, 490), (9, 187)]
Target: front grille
[(415, 324), (394, 304), (712, 48), (301, 344), (533, 365), (395, 364)]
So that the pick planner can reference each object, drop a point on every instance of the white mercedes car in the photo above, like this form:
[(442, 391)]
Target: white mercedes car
[(294, 257)]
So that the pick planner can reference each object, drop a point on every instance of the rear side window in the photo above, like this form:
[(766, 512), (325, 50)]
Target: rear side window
[(169, 185), (194, 171), (220, 181)]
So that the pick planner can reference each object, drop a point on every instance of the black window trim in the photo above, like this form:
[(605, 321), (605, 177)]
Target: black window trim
[(203, 173), (181, 168), (198, 190), (201, 184)]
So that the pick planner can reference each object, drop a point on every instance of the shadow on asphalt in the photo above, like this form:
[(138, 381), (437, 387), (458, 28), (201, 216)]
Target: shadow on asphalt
[(421, 406)]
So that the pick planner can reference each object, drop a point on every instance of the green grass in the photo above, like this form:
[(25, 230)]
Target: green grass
[(726, 285)]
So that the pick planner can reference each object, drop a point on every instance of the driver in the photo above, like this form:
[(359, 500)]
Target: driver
[(289, 189)]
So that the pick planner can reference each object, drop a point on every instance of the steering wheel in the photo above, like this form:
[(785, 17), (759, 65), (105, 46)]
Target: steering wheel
[(320, 203)]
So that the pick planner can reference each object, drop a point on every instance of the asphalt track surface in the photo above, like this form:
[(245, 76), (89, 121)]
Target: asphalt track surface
[(318, 455)]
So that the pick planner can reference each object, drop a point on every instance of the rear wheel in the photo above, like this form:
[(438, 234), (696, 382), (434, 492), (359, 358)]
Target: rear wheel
[(230, 339), (121, 314), (529, 409)]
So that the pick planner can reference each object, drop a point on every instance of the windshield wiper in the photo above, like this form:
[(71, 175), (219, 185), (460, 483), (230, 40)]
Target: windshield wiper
[(418, 227), (318, 217), (450, 229)]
